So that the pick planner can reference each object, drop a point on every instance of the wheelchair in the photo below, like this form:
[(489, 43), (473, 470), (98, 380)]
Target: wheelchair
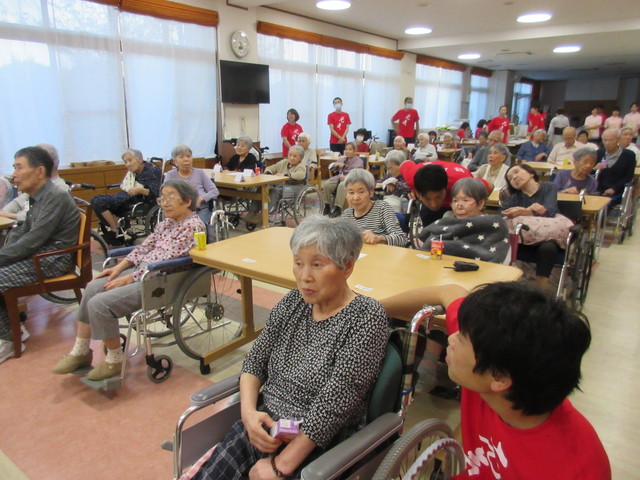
[(622, 216), (360, 456), (575, 261), (194, 307), (415, 223), (301, 201)]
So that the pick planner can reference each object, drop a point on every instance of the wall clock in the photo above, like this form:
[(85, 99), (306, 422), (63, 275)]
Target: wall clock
[(239, 43)]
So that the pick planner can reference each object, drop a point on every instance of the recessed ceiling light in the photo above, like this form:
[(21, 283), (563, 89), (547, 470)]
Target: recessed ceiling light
[(333, 4), (534, 17), (567, 49), (417, 30), (469, 56)]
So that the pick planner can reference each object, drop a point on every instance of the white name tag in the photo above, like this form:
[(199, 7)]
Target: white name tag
[(249, 260), (363, 288)]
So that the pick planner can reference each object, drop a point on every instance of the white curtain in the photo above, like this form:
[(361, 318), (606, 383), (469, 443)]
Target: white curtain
[(521, 102), (478, 99), (308, 77), (438, 95), (63, 81)]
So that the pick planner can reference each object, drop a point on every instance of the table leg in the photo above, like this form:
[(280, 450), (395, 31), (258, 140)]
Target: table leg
[(264, 191)]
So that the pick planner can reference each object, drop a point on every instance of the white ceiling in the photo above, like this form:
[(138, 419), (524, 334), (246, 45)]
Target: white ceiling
[(607, 30)]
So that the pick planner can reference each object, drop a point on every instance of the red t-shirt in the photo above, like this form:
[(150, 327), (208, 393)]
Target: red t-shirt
[(290, 132), (502, 124), (406, 122), (455, 172), (565, 446), (362, 147), (535, 122), (339, 122)]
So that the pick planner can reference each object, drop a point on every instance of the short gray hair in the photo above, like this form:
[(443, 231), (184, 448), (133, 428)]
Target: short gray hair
[(306, 136), (625, 128), (447, 134), (136, 153), (423, 135), (583, 152), (542, 131), (360, 175), (471, 187), (612, 130), (297, 148), (185, 190), (246, 140), (53, 153), (337, 239), (395, 156), (502, 148), (180, 149)]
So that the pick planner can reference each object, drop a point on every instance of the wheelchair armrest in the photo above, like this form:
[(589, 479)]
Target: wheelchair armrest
[(171, 263), (216, 392), (119, 252), (333, 462), (112, 185)]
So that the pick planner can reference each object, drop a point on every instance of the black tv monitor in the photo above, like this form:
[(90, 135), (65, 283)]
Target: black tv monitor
[(246, 83)]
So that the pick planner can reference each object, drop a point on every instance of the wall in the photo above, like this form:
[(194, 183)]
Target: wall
[(629, 93), (552, 95), (592, 89)]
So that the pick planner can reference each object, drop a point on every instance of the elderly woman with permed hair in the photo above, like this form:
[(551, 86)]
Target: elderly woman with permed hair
[(315, 361), (375, 218), (117, 291), (182, 157), (243, 159), (142, 182)]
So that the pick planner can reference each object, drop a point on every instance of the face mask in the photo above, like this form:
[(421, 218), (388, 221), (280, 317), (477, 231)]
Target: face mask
[(360, 138), (337, 106), (408, 105)]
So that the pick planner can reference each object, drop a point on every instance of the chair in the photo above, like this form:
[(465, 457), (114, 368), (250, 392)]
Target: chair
[(75, 280), (356, 457)]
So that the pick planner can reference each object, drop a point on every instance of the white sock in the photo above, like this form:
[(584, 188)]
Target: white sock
[(114, 356), (81, 347)]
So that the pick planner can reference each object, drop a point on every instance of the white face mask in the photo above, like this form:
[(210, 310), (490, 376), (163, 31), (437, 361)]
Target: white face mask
[(337, 106), (408, 105), (360, 138)]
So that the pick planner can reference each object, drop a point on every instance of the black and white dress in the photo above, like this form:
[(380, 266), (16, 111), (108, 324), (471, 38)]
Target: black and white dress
[(319, 372)]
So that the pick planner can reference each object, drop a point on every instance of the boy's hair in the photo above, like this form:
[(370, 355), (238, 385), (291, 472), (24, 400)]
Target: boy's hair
[(430, 178), (519, 331)]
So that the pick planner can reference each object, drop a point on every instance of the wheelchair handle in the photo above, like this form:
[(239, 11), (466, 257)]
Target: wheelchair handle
[(426, 312)]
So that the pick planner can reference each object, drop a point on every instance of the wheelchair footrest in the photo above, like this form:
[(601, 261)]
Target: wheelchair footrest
[(107, 385)]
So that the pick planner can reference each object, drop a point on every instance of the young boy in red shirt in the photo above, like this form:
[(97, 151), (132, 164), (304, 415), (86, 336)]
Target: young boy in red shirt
[(516, 353)]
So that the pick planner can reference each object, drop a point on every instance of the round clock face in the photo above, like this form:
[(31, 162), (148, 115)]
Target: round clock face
[(239, 43)]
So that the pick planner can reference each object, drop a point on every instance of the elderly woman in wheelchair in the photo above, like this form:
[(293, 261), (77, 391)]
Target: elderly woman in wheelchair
[(116, 292), (292, 167), (316, 360)]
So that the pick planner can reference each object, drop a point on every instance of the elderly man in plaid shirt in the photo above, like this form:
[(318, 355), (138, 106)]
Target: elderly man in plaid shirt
[(52, 222)]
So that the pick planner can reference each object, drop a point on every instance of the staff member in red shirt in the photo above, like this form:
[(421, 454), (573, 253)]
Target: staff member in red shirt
[(501, 122), (338, 122), (406, 121), (290, 131)]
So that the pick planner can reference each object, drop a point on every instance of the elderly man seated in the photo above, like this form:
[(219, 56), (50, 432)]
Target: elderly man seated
[(562, 153), (616, 165), (535, 150), (480, 157), (51, 223)]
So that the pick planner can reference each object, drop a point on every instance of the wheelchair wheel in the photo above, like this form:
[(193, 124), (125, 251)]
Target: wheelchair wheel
[(582, 273), (160, 368), (308, 203), (415, 227), (204, 323), (99, 250), (251, 226), (153, 216), (427, 451)]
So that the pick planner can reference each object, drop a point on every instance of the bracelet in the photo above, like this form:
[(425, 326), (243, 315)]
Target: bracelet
[(278, 473)]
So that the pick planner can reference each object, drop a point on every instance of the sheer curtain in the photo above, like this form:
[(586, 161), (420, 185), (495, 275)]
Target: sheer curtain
[(170, 84), (63, 81), (438, 95), (521, 101), (308, 77), (478, 99)]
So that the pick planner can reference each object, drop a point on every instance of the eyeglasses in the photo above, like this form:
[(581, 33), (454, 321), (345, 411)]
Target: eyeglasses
[(166, 200)]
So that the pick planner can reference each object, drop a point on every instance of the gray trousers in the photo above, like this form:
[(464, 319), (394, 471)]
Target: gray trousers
[(102, 308), (337, 186)]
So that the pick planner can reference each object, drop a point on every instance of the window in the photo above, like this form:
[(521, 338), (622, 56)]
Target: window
[(479, 92), (67, 81), (438, 95), (307, 77), (521, 102)]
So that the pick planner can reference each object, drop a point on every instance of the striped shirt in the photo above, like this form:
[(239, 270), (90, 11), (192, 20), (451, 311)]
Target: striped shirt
[(381, 220)]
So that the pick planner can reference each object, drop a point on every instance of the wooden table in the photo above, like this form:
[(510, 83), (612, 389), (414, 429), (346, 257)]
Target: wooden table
[(382, 270), (592, 205), (447, 154), (227, 185), (6, 223), (546, 167)]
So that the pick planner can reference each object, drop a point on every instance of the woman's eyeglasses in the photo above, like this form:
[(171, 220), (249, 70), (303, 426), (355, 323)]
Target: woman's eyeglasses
[(166, 200)]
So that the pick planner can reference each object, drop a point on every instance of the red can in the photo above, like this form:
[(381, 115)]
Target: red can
[(437, 246), (257, 170)]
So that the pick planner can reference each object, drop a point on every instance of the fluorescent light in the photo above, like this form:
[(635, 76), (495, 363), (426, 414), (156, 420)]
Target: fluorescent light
[(567, 49), (333, 4), (469, 56), (534, 17), (417, 30)]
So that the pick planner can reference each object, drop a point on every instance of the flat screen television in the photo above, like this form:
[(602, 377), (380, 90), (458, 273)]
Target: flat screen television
[(246, 83)]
